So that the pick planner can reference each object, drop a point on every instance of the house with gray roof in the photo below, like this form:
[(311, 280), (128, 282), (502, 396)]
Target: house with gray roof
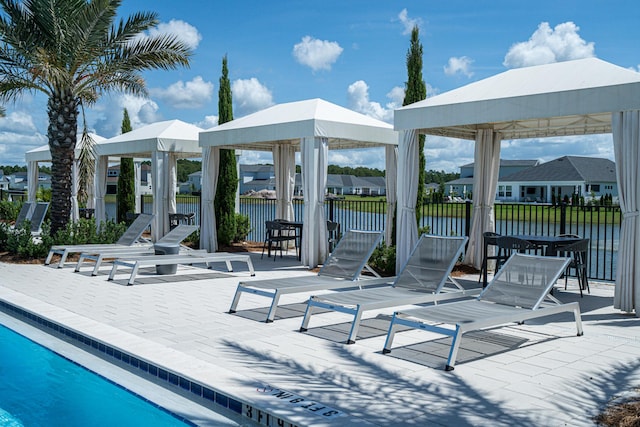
[(463, 186), (588, 177)]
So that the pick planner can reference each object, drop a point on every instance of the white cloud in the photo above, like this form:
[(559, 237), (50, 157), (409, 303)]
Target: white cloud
[(547, 45), (317, 54), (192, 94), (18, 134), (208, 122), (460, 65), (109, 113), (186, 32), (408, 23), (250, 96), (358, 100), (19, 122)]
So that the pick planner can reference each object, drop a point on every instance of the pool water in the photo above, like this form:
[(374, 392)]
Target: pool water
[(40, 388)]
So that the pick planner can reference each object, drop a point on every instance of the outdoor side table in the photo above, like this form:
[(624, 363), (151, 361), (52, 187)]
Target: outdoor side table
[(166, 249)]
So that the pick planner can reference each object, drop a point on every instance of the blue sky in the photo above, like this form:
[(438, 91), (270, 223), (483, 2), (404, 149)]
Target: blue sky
[(352, 53)]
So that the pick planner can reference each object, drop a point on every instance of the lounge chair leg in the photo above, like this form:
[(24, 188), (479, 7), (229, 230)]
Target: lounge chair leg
[(49, 256), (578, 317), (390, 336), (236, 299), (274, 305), (453, 352), (353, 334), (307, 316)]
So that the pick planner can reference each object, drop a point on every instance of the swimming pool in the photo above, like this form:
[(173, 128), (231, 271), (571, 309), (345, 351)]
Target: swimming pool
[(41, 388)]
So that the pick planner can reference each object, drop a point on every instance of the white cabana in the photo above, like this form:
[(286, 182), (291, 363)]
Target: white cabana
[(561, 99), (42, 154), (163, 143), (312, 127)]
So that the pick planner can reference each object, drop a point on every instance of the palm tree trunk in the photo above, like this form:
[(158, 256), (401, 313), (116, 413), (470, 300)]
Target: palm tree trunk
[(62, 109)]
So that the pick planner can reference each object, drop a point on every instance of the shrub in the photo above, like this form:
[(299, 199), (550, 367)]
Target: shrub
[(20, 242), (383, 260), (9, 210), (243, 227)]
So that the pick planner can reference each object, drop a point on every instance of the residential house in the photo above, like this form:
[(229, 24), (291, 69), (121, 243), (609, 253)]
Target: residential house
[(4, 181), (145, 179), (19, 181), (463, 186), (588, 177)]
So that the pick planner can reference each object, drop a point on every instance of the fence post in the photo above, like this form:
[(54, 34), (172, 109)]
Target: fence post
[(563, 218), (142, 203), (467, 218), (331, 216)]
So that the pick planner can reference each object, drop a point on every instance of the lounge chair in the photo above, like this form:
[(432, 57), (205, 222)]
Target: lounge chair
[(342, 269), (518, 292), (424, 278), (37, 217), (173, 237), (129, 238), (24, 214), (192, 257)]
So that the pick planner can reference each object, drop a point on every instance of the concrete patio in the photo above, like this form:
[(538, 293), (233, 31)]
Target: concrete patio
[(539, 373)]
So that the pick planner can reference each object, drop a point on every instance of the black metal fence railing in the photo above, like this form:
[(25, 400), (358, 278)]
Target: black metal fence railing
[(13, 195), (601, 224)]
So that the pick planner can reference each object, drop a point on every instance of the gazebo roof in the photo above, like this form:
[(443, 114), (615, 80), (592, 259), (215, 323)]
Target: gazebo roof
[(564, 98), (172, 135), (43, 154), (289, 122)]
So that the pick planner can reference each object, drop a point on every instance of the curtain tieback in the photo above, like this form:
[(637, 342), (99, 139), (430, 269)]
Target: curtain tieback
[(408, 209), (630, 214)]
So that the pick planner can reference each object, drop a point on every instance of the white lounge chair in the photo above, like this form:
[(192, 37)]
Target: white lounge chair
[(424, 278), (342, 269), (129, 238), (519, 291), (194, 257), (173, 237)]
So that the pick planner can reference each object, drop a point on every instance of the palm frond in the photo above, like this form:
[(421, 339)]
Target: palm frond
[(86, 165)]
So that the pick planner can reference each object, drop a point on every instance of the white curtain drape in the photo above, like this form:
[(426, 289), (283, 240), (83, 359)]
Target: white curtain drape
[(100, 188), (408, 167), (485, 180), (391, 163), (173, 183), (284, 163), (137, 173), (160, 185), (32, 181), (625, 127), (315, 152), (210, 166), (75, 209)]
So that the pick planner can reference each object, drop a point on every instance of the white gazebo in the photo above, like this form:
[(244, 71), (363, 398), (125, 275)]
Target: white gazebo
[(312, 127), (42, 154), (163, 143), (586, 96)]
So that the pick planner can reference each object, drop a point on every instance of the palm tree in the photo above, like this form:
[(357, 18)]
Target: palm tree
[(74, 51)]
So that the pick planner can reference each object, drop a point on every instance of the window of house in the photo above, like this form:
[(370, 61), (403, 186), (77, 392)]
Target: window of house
[(595, 187), (501, 191), (508, 191)]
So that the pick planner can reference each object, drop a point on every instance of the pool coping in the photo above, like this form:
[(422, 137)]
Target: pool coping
[(266, 407)]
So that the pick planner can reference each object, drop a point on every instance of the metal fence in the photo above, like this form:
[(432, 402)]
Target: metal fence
[(601, 224)]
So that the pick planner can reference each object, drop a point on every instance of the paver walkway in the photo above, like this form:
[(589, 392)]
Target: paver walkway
[(539, 373)]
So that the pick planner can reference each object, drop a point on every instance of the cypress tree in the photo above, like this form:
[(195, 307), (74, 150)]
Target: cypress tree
[(416, 90), (126, 179), (225, 200)]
